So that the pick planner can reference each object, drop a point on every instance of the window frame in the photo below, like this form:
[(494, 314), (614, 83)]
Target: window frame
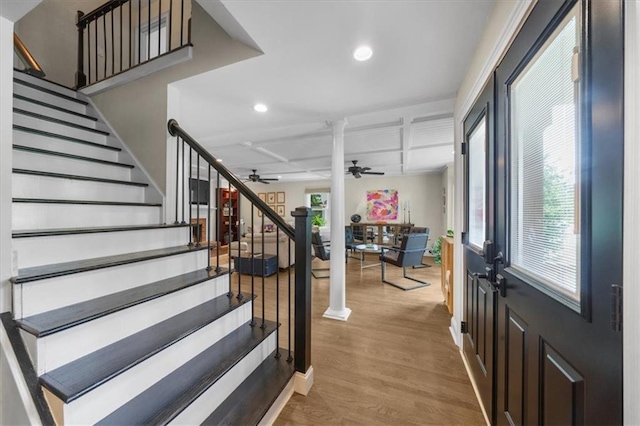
[(483, 117), (582, 304)]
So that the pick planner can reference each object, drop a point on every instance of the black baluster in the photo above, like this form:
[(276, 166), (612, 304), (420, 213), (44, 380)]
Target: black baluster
[(218, 222), (302, 345), (198, 200), (130, 33), (289, 358), (190, 202), (104, 43), (177, 175), (238, 267), (209, 219), (183, 174), (148, 30), (159, 23), (229, 233), (95, 29), (139, 31), (181, 21), (170, 24), (277, 292), (89, 52), (264, 270), (121, 9), (113, 49), (253, 264)]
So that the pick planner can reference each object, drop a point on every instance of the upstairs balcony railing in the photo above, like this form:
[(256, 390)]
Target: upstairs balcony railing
[(123, 34), (285, 298)]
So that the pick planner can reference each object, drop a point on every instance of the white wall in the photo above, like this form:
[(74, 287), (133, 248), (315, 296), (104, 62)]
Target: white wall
[(424, 192), (55, 49), (448, 192)]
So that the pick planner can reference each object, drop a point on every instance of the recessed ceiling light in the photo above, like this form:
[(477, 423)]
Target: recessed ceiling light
[(362, 53), (279, 177), (260, 107), (219, 160)]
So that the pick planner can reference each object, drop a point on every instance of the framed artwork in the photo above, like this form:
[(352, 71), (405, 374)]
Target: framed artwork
[(271, 198), (280, 198), (280, 209), (262, 196), (382, 204)]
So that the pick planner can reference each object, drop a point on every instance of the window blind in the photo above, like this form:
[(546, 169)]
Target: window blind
[(477, 182), (544, 143)]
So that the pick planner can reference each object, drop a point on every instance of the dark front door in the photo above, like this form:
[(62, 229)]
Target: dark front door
[(558, 221), (480, 295)]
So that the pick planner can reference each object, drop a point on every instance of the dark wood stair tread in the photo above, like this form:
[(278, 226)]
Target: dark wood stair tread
[(248, 404), (59, 269), (43, 117), (163, 401), (78, 377), (96, 203), (71, 156), (66, 317), (63, 137), (78, 177), (57, 108), (95, 230), (49, 91)]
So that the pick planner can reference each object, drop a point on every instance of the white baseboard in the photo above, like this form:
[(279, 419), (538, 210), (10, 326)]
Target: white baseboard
[(302, 382), (475, 387), (279, 404)]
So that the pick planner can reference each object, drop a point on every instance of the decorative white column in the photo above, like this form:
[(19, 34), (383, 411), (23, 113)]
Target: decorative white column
[(337, 289)]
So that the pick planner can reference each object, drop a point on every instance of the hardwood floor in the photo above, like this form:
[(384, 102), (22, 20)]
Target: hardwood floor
[(392, 363)]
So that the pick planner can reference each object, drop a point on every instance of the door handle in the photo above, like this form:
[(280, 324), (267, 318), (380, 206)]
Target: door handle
[(500, 284), (489, 275)]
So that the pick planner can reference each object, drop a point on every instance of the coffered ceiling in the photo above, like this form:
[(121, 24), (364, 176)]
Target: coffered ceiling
[(398, 105)]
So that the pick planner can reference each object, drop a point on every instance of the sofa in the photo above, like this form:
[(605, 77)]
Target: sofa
[(271, 243)]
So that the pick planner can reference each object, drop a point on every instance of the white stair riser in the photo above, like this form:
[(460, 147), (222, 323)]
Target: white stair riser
[(54, 113), (52, 216), (60, 129), (37, 251), (55, 164), (60, 145), (39, 296), (99, 403), (201, 408), (34, 186), (47, 85), (48, 98), (63, 347)]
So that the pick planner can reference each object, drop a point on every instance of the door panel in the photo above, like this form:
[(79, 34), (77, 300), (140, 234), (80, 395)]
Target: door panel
[(480, 295), (559, 359)]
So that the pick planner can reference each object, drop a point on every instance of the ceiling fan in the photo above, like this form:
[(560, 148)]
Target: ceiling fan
[(358, 171), (254, 177)]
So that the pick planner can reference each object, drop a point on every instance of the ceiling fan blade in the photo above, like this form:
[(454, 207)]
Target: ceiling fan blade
[(357, 175), (269, 179), (372, 173), (263, 181), (364, 169)]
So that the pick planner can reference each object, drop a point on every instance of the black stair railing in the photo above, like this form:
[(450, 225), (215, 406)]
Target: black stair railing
[(190, 156), (123, 34)]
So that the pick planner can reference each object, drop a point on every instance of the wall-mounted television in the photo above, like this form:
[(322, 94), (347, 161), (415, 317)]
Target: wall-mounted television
[(199, 191)]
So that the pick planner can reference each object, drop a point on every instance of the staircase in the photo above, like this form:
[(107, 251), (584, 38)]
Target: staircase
[(122, 320)]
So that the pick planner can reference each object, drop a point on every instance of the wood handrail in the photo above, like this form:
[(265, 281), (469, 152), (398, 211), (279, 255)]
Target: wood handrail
[(175, 129), (31, 65)]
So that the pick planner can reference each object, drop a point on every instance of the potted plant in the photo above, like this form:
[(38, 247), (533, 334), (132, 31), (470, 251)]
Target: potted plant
[(436, 250)]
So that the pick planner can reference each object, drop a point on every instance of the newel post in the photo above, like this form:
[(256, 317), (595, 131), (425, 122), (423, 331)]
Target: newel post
[(81, 78), (302, 352)]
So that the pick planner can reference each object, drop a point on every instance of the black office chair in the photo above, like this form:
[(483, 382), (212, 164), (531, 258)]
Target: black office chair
[(320, 250), (408, 254), (350, 243), (420, 230)]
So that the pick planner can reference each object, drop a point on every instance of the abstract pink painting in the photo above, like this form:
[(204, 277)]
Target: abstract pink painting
[(382, 204)]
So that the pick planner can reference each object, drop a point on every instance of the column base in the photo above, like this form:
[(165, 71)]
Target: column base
[(337, 315), (302, 382)]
